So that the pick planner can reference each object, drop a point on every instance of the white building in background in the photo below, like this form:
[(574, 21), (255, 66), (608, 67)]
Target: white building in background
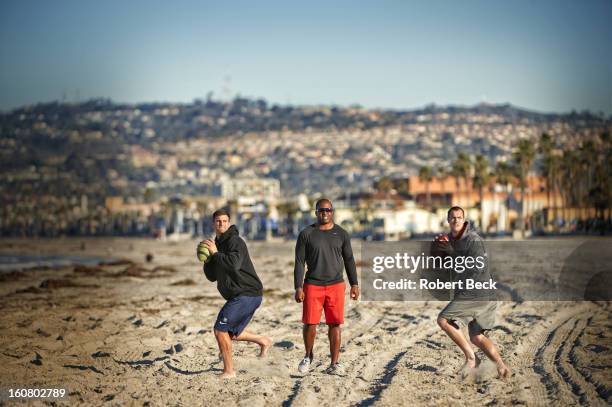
[(256, 201), (396, 224), (256, 189)]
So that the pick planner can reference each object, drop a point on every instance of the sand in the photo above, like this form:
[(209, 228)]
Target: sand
[(140, 333)]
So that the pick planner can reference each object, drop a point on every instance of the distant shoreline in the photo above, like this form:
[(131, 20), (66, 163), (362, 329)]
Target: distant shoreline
[(18, 262)]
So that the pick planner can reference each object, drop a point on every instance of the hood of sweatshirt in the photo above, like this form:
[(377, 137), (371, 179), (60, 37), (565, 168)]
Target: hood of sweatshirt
[(469, 229), (231, 231)]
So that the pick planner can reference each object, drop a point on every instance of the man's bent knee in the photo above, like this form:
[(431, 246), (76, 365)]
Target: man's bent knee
[(221, 334), (442, 322), (476, 339)]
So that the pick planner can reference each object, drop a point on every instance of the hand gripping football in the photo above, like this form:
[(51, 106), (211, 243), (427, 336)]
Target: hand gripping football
[(203, 253)]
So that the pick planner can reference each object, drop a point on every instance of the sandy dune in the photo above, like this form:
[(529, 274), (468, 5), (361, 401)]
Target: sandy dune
[(140, 333)]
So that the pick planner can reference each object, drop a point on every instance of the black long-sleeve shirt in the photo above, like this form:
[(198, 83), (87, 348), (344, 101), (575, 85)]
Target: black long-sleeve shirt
[(326, 253)]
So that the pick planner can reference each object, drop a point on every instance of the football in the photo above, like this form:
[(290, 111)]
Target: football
[(441, 238), (203, 253)]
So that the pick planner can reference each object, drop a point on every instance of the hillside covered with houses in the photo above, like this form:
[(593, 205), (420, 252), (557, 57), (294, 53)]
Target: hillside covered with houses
[(101, 168)]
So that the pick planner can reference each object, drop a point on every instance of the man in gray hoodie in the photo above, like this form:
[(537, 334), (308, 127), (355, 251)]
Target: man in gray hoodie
[(471, 307)]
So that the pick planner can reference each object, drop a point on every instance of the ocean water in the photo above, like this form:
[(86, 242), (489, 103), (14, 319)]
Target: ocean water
[(20, 262)]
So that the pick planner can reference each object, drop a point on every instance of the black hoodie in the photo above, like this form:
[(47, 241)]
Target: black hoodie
[(231, 267)]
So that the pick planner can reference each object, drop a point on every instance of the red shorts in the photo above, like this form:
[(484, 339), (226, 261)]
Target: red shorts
[(329, 298)]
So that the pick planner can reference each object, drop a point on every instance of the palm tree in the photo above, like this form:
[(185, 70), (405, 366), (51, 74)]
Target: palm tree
[(384, 184), (455, 172), (589, 163), (467, 175), (503, 176), (566, 178), (481, 179), (523, 158), (426, 176), (545, 148), (461, 169), (584, 176), (605, 169), (594, 166), (441, 173)]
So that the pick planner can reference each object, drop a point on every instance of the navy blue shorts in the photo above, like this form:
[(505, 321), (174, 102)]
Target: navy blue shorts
[(236, 314)]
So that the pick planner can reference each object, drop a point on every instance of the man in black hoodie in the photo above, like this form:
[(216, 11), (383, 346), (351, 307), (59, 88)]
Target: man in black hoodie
[(230, 266)]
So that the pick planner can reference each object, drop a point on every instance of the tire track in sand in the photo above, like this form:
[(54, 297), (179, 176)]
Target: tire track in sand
[(381, 343), (559, 380), (601, 389)]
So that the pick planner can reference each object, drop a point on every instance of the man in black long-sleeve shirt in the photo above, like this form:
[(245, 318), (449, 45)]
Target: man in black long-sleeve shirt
[(231, 267), (326, 249)]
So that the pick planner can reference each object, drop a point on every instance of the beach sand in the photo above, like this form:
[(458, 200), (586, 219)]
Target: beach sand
[(140, 333)]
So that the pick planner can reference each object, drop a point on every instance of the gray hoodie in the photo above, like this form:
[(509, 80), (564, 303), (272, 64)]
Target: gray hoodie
[(470, 244)]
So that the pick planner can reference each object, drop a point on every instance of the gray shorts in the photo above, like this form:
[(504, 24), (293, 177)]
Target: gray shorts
[(478, 316)]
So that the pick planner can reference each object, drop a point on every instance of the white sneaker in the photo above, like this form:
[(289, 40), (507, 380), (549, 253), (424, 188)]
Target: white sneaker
[(336, 369), (304, 365)]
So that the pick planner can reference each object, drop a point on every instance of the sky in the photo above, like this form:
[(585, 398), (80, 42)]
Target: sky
[(548, 56)]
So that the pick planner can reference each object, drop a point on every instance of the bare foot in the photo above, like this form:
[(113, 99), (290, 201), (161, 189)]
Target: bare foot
[(228, 375), (468, 367), (503, 371), (468, 370), (264, 348), (470, 364)]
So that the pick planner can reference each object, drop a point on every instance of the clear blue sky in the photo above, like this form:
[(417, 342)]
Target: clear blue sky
[(551, 56)]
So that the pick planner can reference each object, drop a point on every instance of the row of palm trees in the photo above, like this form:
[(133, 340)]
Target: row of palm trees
[(581, 174)]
